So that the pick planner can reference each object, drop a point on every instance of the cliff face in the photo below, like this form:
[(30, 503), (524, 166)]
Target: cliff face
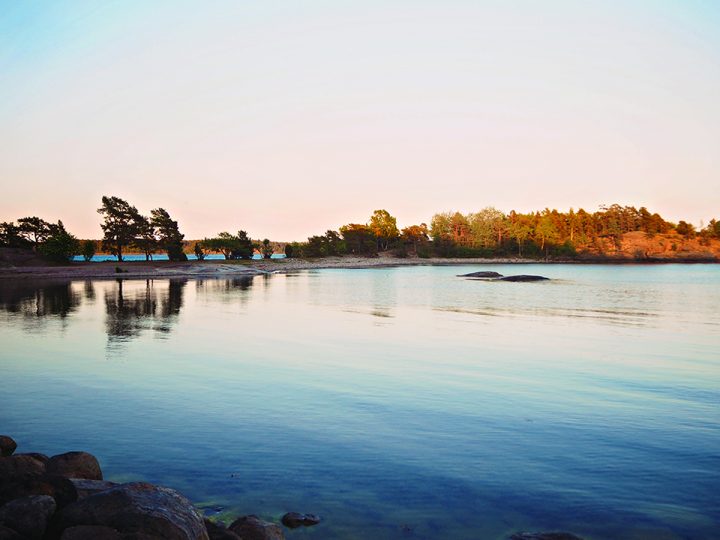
[(640, 246)]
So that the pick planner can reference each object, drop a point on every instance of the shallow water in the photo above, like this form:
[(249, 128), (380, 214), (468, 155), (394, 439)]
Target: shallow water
[(394, 402)]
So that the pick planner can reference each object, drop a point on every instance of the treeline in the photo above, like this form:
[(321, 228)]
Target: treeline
[(487, 233)]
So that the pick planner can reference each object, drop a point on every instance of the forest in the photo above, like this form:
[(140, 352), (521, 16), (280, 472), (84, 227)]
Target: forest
[(546, 234)]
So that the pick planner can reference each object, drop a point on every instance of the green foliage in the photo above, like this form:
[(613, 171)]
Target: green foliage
[(359, 239), (685, 229), (61, 246), (267, 250), (87, 250), (199, 252), (167, 232), (290, 250), (35, 230), (10, 236), (384, 227)]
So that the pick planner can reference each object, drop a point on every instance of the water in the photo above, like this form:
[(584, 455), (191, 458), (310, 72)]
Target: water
[(105, 257), (396, 402)]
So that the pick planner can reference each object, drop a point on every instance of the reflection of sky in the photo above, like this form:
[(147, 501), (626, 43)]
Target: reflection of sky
[(418, 107), (409, 393)]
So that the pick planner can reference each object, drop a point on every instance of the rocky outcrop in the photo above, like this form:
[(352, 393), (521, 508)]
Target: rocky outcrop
[(75, 465), (86, 488), (138, 507), (523, 277), (293, 520), (482, 274), (57, 487), (90, 532), (218, 531), (20, 466), (28, 516), (253, 528), (7, 445)]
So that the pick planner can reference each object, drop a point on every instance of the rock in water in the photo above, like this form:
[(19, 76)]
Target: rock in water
[(28, 516), (254, 528), (524, 277), (544, 536), (75, 465), (217, 531), (7, 445), (293, 520), (483, 274), (138, 508)]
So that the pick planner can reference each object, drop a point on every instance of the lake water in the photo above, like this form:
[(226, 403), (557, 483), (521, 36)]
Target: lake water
[(105, 257), (394, 402)]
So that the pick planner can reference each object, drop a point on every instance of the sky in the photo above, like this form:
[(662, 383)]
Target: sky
[(286, 119)]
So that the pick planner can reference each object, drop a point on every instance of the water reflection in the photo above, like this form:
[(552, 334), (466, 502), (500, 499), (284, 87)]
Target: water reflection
[(38, 299), (131, 308)]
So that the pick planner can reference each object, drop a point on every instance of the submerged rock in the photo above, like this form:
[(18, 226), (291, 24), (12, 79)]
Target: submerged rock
[(75, 465), (544, 536), (138, 508), (254, 528), (7, 445), (293, 520), (28, 516), (524, 277), (482, 274)]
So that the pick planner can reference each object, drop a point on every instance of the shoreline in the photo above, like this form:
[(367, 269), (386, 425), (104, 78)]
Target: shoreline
[(249, 268)]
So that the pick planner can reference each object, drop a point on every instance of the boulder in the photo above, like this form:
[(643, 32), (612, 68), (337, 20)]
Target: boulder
[(523, 277), (90, 532), (28, 516), (483, 274), (85, 487), (13, 467), (42, 458), (59, 488), (293, 520), (138, 509), (75, 465), (7, 445), (254, 528), (544, 536), (6, 533), (217, 531)]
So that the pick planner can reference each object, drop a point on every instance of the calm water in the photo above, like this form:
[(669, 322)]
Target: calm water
[(104, 257), (396, 403)]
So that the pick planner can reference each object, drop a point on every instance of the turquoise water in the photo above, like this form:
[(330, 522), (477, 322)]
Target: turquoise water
[(394, 402)]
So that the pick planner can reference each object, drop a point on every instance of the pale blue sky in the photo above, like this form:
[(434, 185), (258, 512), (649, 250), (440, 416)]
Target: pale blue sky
[(287, 118)]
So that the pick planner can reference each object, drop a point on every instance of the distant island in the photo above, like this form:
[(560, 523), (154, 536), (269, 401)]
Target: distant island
[(611, 234)]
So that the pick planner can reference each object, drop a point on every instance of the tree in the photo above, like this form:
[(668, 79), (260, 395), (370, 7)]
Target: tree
[(267, 249), (359, 239), (168, 233), (685, 229), (145, 240), (224, 243), (198, 249), (10, 236), (415, 235), (520, 232), (384, 227), (87, 250), (245, 247), (35, 230), (290, 250), (121, 224), (61, 246)]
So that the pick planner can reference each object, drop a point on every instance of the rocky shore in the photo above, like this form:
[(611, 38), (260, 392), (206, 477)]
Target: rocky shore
[(65, 497)]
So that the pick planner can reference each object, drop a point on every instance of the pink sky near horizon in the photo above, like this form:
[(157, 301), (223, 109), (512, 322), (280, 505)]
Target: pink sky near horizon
[(286, 119)]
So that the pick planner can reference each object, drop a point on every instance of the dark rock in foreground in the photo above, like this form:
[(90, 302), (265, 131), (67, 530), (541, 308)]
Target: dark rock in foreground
[(293, 520), (6, 533), (7, 445), (75, 465), (57, 487), (523, 277), (42, 458), (86, 488), (90, 532), (138, 508), (28, 516), (14, 467), (544, 536), (483, 274), (217, 531), (254, 528)]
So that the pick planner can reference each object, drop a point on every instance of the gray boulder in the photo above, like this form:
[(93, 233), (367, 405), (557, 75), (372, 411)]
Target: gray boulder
[(28, 516), (7, 445), (483, 274), (138, 509), (75, 465), (523, 277), (253, 528)]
